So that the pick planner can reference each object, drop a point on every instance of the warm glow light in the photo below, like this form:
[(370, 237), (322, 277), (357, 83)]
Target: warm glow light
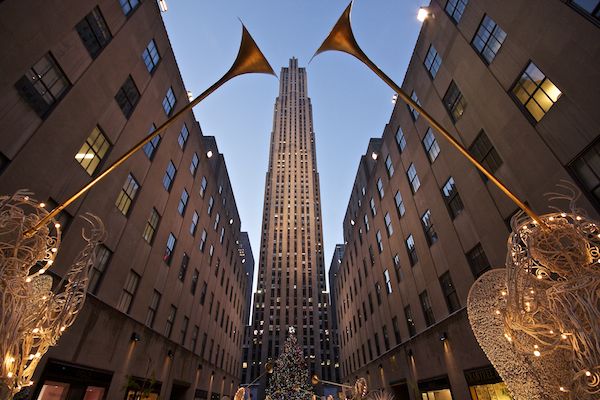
[(82, 156), (537, 353), (57, 225), (42, 205), (422, 14), (588, 373), (209, 154), (374, 156)]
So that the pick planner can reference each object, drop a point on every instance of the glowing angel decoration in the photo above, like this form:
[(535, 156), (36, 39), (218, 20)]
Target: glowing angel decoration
[(32, 315)]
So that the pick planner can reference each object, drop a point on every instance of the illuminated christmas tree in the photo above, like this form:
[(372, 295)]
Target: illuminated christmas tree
[(290, 380)]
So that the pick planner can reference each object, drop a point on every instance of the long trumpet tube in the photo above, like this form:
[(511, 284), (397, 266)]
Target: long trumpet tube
[(336, 384), (249, 60), (342, 39)]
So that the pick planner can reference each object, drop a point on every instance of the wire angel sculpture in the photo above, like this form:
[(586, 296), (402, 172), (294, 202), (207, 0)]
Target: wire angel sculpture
[(33, 315)]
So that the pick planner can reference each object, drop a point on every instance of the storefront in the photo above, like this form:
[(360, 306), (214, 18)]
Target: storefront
[(62, 381), (485, 384), (435, 389)]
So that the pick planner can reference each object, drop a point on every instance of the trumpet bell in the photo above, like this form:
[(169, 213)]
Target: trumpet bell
[(341, 37), (249, 59)]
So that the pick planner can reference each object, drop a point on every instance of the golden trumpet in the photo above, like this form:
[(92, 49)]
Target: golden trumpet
[(341, 38), (249, 60)]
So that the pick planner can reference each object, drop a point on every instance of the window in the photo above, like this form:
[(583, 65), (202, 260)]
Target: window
[(203, 293), (536, 92), (217, 220), (152, 308), (151, 226), (456, 8), (378, 292), (93, 32), (388, 224), (380, 188), (488, 39), (389, 166), (194, 338), (183, 136), (386, 339), (127, 97), (449, 292), (379, 243), (194, 224), (430, 232), (171, 241), (194, 281), (203, 184), (388, 282), (169, 102), (586, 169), (400, 140), (128, 6), (128, 292), (485, 153), (92, 151), (184, 327), (410, 321), (414, 113), (426, 306), (454, 102), (170, 321), (397, 267), (413, 178), (412, 251), (452, 198), (185, 260), (194, 164), (373, 209), (399, 204), (432, 61), (152, 145), (169, 176), (431, 145), (592, 7), (151, 56), (366, 223), (127, 194), (183, 202), (211, 203), (202, 240), (478, 260), (222, 235), (43, 85), (98, 268), (396, 330)]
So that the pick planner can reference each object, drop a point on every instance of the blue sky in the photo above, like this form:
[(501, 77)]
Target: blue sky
[(350, 104)]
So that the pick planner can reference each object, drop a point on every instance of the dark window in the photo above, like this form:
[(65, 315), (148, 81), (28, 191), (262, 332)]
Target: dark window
[(380, 188), (484, 152), (93, 32), (452, 198), (184, 327), (151, 226), (169, 102), (397, 267), (127, 194), (128, 6), (183, 268), (183, 202), (427, 310), (389, 166), (410, 321), (152, 145), (152, 308), (98, 268), (456, 8), (454, 102), (92, 152), (478, 260), (203, 292), (412, 251), (432, 61), (431, 145), (170, 321), (591, 7), (194, 284), (151, 56), (414, 113), (396, 330), (488, 39), (400, 140), (183, 136), (127, 97), (378, 292), (449, 292), (194, 164), (128, 293), (413, 178), (169, 176), (388, 224), (43, 85), (386, 339), (428, 229), (535, 92), (586, 169), (171, 241)]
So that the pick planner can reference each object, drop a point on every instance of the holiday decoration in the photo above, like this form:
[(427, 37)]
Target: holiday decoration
[(541, 330), (32, 315), (290, 380)]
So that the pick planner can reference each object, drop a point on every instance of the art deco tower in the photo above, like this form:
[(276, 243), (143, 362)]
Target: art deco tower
[(291, 287)]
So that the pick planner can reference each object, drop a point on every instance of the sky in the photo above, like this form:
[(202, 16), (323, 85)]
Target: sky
[(350, 104)]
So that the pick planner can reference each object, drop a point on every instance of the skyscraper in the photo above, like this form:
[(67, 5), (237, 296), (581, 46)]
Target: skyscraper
[(291, 287)]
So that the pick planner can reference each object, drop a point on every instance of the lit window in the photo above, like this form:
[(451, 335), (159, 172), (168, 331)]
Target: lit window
[(128, 6), (127, 194), (128, 293), (151, 226), (388, 224), (151, 56), (432, 61), (454, 102), (431, 145), (389, 166), (456, 8), (427, 310), (400, 140), (380, 188), (194, 224), (169, 176), (169, 102), (413, 112), (97, 270), (484, 152), (203, 184), (93, 32), (43, 85), (152, 145), (183, 136), (536, 92), (452, 198), (586, 169), (170, 248), (399, 204), (92, 151), (194, 164), (411, 249), (488, 39), (379, 242), (430, 233), (127, 97), (183, 202), (388, 282), (413, 178)]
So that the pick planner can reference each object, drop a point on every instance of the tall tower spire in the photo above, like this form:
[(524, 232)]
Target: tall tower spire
[(291, 289)]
